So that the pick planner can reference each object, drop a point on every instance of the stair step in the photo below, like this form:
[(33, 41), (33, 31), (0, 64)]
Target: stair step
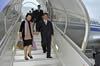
[(39, 58)]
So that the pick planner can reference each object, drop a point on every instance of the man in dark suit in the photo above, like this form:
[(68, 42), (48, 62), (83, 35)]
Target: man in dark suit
[(38, 15), (46, 29), (32, 14)]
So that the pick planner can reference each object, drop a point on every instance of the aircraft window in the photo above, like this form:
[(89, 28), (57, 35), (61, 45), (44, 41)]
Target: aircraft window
[(76, 29)]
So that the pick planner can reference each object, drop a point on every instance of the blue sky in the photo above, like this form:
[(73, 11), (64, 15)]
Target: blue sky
[(93, 7), (3, 3)]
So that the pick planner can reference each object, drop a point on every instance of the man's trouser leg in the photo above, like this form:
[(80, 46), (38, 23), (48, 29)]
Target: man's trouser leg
[(44, 47), (49, 49)]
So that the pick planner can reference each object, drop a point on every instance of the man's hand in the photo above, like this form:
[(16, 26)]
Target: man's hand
[(52, 35), (36, 33)]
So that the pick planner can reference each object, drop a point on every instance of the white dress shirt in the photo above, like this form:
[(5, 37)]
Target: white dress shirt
[(45, 22), (39, 10)]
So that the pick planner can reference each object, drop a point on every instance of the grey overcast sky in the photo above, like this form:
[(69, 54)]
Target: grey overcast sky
[(30, 4), (27, 7), (93, 7)]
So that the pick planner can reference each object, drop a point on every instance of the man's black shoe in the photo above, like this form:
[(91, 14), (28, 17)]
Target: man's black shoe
[(44, 51), (49, 57)]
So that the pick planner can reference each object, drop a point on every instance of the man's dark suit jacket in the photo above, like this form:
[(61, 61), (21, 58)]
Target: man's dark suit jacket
[(46, 31), (38, 15)]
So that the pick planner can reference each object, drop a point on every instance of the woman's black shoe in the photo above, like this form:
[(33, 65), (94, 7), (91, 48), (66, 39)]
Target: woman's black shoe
[(30, 56), (26, 59)]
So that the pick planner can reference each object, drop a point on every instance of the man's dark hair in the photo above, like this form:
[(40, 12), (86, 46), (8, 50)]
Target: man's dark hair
[(45, 14), (39, 5), (32, 9)]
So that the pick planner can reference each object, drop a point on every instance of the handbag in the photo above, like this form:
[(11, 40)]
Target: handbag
[(33, 45), (20, 45)]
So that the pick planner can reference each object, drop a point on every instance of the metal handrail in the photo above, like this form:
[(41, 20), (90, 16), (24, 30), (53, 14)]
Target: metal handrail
[(74, 45), (69, 11), (6, 36), (85, 17)]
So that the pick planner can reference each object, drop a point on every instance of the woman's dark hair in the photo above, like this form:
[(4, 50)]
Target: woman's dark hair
[(28, 14), (45, 14)]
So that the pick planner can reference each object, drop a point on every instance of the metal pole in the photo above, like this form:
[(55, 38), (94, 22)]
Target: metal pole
[(5, 20), (66, 25)]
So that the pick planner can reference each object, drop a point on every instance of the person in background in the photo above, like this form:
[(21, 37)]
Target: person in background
[(26, 34), (33, 21), (33, 15), (30, 11), (46, 28), (38, 15)]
